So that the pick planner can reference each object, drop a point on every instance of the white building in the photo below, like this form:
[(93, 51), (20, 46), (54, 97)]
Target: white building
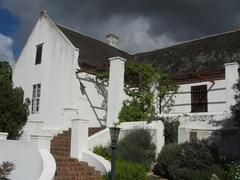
[(205, 70)]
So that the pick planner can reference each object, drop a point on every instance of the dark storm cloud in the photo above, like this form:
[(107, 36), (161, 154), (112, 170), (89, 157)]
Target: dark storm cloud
[(157, 23)]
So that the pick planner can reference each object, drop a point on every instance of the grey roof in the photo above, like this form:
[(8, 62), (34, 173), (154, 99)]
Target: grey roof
[(201, 55), (92, 52)]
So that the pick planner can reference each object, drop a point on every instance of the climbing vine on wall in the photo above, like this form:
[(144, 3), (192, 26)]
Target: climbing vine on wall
[(145, 85)]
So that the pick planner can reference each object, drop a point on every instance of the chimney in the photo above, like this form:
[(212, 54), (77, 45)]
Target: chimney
[(43, 12), (112, 40)]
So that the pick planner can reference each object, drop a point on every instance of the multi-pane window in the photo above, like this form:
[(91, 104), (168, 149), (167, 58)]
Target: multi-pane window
[(36, 98), (38, 59), (199, 98)]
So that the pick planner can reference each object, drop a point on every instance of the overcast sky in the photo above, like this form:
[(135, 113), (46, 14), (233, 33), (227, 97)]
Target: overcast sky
[(141, 25)]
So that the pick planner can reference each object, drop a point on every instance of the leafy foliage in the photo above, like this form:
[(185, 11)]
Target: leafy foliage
[(129, 170), (198, 155), (236, 108), (144, 83), (124, 169), (234, 171), (170, 130), (214, 172), (194, 160), (137, 147), (5, 170), (102, 151), (168, 156), (13, 112)]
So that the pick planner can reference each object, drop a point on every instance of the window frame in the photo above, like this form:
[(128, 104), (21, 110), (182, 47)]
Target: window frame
[(199, 98), (38, 55), (36, 94), (193, 136)]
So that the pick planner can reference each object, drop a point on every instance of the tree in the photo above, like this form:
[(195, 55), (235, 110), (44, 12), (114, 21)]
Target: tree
[(13, 111), (144, 84), (236, 108)]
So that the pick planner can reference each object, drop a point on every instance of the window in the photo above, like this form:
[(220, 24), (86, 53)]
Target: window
[(39, 54), (192, 136), (36, 98), (199, 98)]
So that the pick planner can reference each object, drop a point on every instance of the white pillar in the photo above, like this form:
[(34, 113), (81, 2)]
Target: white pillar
[(183, 134), (79, 137), (42, 141), (115, 91), (231, 77), (3, 135), (69, 114)]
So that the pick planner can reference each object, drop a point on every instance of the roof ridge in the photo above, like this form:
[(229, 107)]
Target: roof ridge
[(190, 41)]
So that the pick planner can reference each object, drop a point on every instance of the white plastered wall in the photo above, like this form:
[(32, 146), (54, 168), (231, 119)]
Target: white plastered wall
[(216, 97), (83, 104), (61, 99)]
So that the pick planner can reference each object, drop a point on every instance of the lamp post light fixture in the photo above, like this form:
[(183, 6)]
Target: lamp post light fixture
[(114, 133)]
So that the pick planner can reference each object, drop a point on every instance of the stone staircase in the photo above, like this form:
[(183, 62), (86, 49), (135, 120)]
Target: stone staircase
[(70, 168)]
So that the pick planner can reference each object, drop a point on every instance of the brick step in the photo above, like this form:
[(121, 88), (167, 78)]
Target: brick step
[(78, 173), (66, 159), (62, 139), (60, 143), (66, 177), (63, 136), (92, 131), (60, 148), (70, 168), (73, 164), (61, 153)]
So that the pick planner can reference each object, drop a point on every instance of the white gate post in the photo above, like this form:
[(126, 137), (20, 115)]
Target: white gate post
[(79, 137), (116, 89), (3, 135)]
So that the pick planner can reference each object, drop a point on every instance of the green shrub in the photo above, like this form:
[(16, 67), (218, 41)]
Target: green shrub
[(196, 174), (102, 151), (170, 130), (236, 108), (127, 170), (137, 147), (194, 160), (234, 171), (168, 155), (196, 157), (13, 110), (136, 111), (124, 169), (5, 170)]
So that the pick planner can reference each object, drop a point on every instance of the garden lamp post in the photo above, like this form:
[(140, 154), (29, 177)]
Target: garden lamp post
[(114, 133)]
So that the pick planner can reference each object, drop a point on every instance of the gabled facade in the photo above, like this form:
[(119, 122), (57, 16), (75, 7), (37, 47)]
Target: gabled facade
[(53, 67), (205, 70)]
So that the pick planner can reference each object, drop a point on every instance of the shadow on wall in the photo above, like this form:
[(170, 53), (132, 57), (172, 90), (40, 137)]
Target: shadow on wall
[(228, 140)]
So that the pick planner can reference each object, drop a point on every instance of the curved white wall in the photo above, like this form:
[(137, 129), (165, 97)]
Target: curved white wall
[(25, 156)]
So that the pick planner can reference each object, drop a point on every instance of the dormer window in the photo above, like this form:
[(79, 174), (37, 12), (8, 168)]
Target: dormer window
[(38, 59)]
